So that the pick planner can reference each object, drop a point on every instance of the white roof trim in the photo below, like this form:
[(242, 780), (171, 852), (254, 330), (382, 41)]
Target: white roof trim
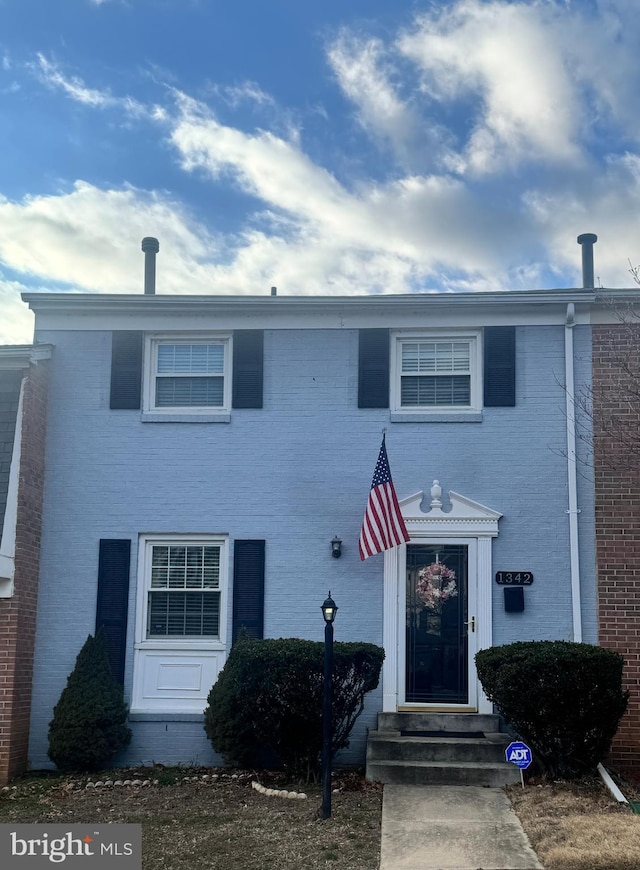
[(140, 302), (20, 356)]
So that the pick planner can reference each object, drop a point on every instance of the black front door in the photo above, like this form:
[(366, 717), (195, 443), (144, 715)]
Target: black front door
[(436, 630)]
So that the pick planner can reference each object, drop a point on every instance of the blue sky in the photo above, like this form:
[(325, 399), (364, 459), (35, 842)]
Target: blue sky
[(325, 148)]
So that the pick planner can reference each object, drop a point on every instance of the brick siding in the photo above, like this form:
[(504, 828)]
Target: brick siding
[(18, 614), (617, 495)]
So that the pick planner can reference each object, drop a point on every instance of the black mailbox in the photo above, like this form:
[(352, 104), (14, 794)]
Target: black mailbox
[(513, 599)]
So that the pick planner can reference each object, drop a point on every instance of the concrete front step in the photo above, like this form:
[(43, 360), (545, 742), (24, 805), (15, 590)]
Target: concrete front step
[(443, 773), (488, 723), (383, 747), (434, 749)]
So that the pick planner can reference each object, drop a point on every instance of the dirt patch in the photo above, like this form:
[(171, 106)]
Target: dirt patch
[(215, 819), (578, 826)]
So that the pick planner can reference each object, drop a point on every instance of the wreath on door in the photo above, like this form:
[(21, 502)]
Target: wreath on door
[(436, 585)]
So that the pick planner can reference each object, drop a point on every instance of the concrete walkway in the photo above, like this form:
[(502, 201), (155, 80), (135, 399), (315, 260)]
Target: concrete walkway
[(440, 827)]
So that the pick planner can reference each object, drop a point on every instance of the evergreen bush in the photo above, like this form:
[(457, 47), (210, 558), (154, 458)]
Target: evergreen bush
[(269, 697), (88, 725), (565, 700)]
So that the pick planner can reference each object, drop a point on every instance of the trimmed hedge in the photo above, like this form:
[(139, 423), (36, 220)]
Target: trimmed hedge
[(269, 696), (88, 725), (564, 699)]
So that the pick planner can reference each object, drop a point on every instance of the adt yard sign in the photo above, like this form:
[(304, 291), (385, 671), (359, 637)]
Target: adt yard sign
[(518, 753)]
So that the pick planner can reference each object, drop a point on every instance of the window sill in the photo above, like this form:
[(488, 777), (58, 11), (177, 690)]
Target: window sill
[(146, 716), (436, 417), (157, 417)]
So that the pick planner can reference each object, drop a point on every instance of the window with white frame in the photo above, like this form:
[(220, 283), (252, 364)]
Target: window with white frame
[(188, 375), (183, 598), (436, 371), (180, 635)]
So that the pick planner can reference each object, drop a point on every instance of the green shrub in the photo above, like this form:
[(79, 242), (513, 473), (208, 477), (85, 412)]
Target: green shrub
[(88, 725), (565, 700), (269, 697)]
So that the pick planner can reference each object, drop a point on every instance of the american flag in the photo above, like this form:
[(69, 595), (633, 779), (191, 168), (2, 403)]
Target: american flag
[(383, 526)]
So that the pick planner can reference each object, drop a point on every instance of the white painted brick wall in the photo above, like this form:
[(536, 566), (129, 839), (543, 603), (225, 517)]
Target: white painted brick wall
[(295, 473)]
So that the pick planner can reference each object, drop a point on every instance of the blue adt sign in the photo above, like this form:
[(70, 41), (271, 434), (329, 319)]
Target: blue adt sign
[(518, 753)]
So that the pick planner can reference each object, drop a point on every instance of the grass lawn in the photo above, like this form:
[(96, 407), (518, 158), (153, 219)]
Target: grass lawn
[(195, 819), (219, 823), (578, 826)]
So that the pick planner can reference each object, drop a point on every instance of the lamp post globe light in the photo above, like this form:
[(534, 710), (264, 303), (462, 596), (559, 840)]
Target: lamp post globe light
[(329, 610)]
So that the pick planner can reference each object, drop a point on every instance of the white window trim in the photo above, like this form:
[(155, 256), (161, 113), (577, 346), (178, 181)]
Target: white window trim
[(146, 544), (151, 342), (474, 337), (194, 662)]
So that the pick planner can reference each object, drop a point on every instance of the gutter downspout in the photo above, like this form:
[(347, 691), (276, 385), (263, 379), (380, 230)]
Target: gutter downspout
[(572, 479), (610, 784)]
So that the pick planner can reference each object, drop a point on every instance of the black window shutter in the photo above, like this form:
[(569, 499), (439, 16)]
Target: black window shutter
[(373, 368), (126, 369), (499, 366), (248, 588), (113, 599), (247, 368)]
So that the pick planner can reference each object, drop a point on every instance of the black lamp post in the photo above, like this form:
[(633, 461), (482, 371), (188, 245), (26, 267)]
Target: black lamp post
[(329, 610)]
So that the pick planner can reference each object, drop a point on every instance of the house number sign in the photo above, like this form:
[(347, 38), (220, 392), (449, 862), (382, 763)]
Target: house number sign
[(514, 578)]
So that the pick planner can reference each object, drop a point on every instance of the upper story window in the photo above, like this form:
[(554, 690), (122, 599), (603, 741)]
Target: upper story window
[(188, 375), (436, 371)]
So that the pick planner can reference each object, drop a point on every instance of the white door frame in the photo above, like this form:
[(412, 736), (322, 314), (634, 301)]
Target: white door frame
[(469, 523), (472, 646)]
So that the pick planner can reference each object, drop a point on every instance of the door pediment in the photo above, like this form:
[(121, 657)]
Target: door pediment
[(464, 518)]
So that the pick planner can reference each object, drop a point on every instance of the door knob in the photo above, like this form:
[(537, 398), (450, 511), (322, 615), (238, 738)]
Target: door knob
[(472, 623)]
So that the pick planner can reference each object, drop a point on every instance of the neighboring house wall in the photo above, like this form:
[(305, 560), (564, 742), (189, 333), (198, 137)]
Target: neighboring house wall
[(18, 612), (293, 473), (617, 491), (10, 382)]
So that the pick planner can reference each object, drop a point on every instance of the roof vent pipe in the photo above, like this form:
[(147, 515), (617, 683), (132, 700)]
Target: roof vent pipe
[(150, 246), (587, 240)]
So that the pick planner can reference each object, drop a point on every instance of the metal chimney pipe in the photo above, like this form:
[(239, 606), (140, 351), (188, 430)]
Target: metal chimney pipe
[(150, 246), (587, 240)]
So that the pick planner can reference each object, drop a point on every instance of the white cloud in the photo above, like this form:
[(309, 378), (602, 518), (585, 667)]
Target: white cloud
[(246, 92), (506, 60), (365, 77), (607, 204), (90, 239), (463, 220), (75, 88), (16, 323), (427, 223), (602, 53)]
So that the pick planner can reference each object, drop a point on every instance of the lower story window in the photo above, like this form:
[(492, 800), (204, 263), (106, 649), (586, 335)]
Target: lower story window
[(181, 621), (184, 598)]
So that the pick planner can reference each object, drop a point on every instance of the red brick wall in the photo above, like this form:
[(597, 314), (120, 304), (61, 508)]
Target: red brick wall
[(616, 417), (18, 614)]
